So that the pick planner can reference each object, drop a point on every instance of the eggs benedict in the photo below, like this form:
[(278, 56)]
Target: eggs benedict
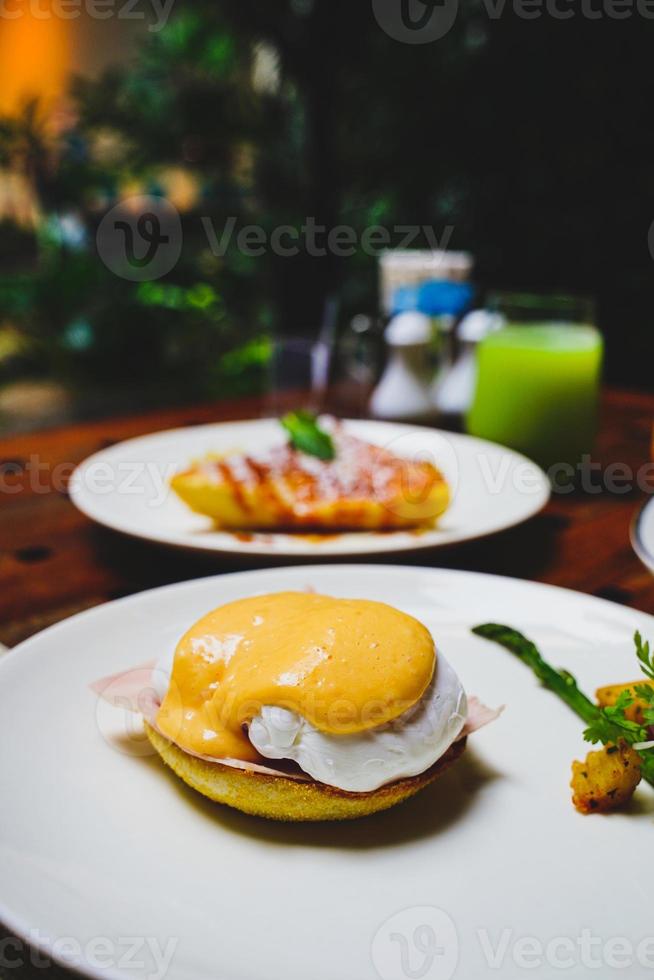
[(298, 706)]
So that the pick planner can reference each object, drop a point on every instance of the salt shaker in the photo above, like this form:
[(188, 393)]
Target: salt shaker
[(404, 390), (453, 391)]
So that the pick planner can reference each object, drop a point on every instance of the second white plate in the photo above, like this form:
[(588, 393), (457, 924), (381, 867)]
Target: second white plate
[(126, 488), (642, 534)]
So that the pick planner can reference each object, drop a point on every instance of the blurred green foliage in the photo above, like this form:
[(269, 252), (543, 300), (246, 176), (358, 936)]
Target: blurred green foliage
[(513, 131), (190, 120)]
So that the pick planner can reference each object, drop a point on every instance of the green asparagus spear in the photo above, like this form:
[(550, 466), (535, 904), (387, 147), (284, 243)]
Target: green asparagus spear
[(607, 725), (559, 681)]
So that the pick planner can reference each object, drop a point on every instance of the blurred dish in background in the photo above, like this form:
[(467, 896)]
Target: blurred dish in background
[(642, 534), (538, 379), (126, 488), (321, 479)]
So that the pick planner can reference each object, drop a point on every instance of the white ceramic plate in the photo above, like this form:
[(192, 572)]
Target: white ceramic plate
[(106, 857), (125, 488), (642, 534)]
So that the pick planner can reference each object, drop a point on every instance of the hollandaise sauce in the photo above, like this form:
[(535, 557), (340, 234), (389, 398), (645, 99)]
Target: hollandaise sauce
[(345, 665)]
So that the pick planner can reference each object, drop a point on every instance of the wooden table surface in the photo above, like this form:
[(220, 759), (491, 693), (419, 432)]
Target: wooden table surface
[(55, 562)]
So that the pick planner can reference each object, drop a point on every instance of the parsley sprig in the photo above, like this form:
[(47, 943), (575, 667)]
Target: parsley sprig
[(306, 435), (611, 725), (645, 658), (608, 725)]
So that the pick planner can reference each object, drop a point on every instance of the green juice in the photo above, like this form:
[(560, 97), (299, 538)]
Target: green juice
[(537, 389)]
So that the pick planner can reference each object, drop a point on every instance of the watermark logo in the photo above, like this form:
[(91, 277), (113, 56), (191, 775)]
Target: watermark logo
[(415, 21), (422, 943), (426, 21), (587, 951), (155, 13), (419, 488), (419, 943), (493, 474), (316, 240), (148, 956), (123, 702), (140, 238)]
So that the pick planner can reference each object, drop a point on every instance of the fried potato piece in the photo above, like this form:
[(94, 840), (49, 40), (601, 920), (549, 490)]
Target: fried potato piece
[(607, 696), (606, 780)]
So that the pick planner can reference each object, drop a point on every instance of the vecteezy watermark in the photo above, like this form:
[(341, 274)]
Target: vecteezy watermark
[(496, 473), (155, 12), (423, 943), (123, 702), (426, 21), (424, 464), (127, 699), (146, 954), (137, 478), (419, 943), (140, 238), (415, 21), (319, 240), (586, 950)]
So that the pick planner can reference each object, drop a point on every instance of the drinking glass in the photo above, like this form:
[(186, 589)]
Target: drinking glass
[(538, 378), (298, 375)]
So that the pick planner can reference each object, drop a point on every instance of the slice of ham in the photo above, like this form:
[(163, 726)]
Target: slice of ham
[(280, 768), (133, 690), (479, 716)]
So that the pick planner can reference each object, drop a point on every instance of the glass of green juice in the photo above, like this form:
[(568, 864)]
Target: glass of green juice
[(538, 378)]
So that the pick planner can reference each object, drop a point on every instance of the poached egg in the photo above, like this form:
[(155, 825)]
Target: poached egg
[(352, 691)]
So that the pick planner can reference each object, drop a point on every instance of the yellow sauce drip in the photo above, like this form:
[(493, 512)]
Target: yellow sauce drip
[(345, 665)]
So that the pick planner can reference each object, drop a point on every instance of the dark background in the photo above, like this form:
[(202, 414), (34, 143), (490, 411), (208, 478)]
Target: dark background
[(532, 138)]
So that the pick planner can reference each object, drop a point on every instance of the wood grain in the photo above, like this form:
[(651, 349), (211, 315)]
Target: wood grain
[(54, 561)]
